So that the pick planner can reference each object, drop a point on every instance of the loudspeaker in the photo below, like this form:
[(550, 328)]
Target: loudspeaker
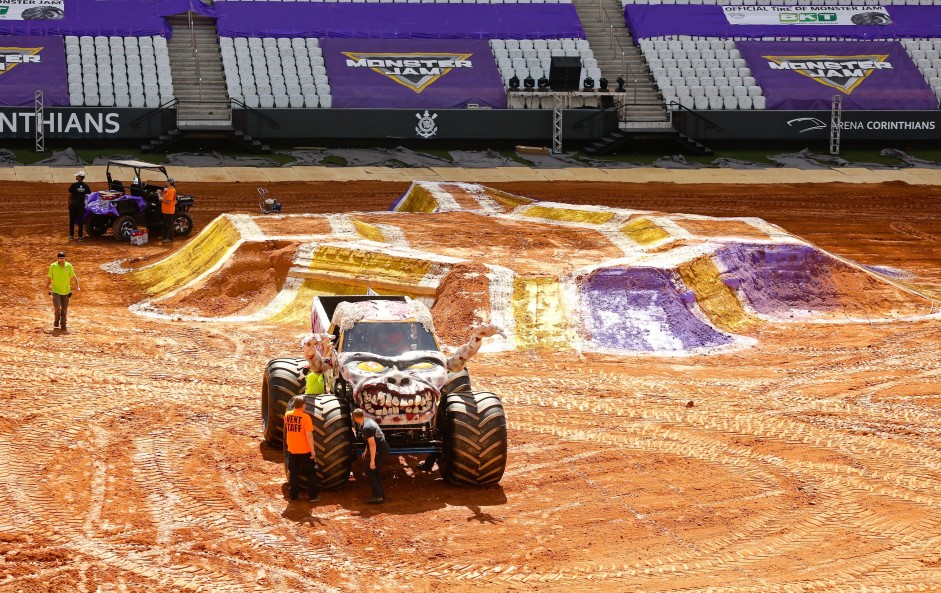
[(564, 73)]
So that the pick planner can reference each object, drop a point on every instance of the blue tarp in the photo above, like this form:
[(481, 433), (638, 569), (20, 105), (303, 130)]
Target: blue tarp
[(398, 21)]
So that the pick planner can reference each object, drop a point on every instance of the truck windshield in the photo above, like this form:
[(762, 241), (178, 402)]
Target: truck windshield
[(388, 339)]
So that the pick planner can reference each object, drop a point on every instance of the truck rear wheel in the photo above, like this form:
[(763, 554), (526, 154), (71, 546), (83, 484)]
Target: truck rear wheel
[(475, 443), (96, 225), (182, 224), (333, 440), (123, 226), (283, 380)]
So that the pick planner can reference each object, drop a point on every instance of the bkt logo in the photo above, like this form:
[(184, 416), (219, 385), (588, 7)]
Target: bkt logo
[(807, 17), (4, 10)]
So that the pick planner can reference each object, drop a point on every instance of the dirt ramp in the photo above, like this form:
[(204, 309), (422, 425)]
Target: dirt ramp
[(798, 280), (642, 310)]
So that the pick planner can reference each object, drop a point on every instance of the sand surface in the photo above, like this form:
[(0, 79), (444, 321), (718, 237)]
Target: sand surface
[(131, 456)]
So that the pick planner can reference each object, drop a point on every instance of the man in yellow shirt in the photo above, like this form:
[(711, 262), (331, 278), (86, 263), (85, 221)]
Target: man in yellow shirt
[(299, 442), (168, 209), (60, 274)]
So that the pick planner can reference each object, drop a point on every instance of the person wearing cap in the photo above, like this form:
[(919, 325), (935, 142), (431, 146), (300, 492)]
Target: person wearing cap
[(168, 208), (78, 191), (60, 277)]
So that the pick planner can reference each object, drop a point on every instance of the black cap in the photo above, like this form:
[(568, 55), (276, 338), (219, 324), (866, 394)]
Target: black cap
[(61, 254)]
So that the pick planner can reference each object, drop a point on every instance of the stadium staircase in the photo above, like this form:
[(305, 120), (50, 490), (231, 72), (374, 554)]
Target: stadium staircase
[(203, 110), (642, 112)]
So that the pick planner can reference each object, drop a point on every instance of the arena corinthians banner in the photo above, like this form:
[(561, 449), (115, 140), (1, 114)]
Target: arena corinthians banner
[(28, 64), (412, 73), (866, 75), (807, 15)]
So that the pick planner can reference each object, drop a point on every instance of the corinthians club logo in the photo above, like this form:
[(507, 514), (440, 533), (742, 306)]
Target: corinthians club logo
[(10, 57), (426, 127), (413, 70), (843, 73)]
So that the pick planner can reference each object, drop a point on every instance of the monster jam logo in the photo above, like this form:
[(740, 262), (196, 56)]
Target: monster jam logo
[(11, 57), (843, 73), (413, 70)]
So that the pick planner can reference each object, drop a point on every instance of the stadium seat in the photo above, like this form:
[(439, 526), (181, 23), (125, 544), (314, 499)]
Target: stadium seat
[(729, 102), (758, 102)]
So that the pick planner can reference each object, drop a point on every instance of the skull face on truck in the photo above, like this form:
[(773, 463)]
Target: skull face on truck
[(394, 369)]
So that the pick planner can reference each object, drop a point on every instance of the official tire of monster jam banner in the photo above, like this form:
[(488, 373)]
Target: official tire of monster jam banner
[(810, 125)]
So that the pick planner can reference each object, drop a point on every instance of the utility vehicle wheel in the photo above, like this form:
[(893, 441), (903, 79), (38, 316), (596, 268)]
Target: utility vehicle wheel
[(333, 440), (123, 226), (182, 225), (475, 440), (283, 380), (96, 226)]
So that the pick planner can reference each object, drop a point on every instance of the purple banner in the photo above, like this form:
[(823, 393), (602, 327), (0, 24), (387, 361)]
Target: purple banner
[(658, 20), (129, 18), (30, 64), (398, 21), (413, 74), (866, 74)]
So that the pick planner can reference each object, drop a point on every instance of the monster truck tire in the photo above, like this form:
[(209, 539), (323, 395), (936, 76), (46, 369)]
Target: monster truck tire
[(333, 440), (283, 380), (475, 442), (96, 226), (459, 381), (182, 225), (123, 226)]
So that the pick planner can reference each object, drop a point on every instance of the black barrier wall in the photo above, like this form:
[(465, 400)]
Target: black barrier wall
[(578, 125), (808, 125), (86, 123)]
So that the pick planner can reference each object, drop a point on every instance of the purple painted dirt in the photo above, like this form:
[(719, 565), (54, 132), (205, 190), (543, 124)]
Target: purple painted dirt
[(780, 278), (641, 310)]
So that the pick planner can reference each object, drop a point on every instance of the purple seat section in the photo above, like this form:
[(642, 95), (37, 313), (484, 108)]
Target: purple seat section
[(640, 309), (776, 279), (398, 21)]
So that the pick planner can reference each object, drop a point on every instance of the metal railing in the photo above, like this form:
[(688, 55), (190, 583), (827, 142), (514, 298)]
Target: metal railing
[(195, 48), (135, 123), (617, 47), (256, 113)]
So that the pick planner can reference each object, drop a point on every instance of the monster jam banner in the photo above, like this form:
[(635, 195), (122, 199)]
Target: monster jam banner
[(894, 22), (32, 10), (807, 15), (93, 17), (867, 75), (30, 64), (412, 73)]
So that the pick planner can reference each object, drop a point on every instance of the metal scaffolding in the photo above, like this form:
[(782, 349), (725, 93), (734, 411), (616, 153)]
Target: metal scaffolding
[(40, 129), (836, 120), (557, 124)]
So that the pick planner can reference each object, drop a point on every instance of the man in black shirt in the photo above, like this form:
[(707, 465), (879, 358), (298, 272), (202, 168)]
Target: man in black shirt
[(377, 448), (78, 191)]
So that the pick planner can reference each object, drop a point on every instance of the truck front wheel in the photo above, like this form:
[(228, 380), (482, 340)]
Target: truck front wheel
[(333, 440), (475, 442), (283, 380)]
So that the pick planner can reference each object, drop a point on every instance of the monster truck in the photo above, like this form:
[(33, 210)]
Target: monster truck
[(125, 212), (381, 354)]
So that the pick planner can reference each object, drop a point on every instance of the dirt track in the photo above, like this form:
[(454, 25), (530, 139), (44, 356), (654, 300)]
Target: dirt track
[(131, 458)]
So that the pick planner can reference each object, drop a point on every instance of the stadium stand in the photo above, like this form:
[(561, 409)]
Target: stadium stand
[(118, 71)]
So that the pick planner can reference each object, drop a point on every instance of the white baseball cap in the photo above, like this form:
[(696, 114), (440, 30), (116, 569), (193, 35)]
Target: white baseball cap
[(80, 174)]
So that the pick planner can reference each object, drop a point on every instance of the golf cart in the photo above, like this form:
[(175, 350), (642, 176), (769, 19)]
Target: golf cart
[(125, 208)]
